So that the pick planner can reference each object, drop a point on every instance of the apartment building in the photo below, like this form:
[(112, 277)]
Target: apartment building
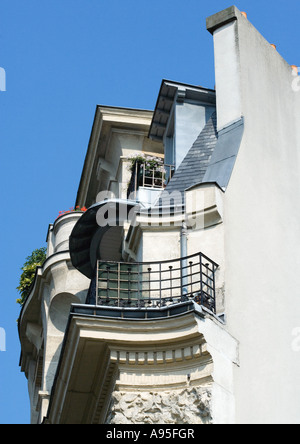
[(173, 298)]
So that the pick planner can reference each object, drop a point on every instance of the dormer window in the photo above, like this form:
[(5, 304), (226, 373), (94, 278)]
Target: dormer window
[(180, 114)]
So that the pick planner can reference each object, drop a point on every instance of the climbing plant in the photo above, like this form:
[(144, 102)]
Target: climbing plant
[(36, 259)]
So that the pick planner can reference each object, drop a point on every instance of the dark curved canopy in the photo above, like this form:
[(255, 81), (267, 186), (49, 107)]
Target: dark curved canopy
[(95, 226)]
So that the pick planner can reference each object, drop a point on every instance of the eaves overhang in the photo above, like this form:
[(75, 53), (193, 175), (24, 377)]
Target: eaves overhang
[(170, 92), (107, 117), (93, 351)]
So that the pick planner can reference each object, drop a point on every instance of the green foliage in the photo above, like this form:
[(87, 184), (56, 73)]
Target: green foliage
[(36, 259), (150, 162)]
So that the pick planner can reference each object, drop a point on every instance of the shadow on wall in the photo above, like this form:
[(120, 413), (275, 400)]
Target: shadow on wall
[(59, 312), (57, 323)]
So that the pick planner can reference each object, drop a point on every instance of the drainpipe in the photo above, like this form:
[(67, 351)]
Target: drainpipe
[(184, 265)]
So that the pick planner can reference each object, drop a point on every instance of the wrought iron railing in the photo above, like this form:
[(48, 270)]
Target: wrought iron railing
[(156, 177), (155, 284)]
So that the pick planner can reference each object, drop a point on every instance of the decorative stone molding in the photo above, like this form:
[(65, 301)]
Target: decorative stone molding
[(204, 205), (161, 357), (190, 405), (43, 402)]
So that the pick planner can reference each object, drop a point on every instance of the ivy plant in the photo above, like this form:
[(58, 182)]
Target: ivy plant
[(36, 259)]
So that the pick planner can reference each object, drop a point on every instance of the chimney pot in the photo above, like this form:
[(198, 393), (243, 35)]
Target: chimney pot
[(244, 14)]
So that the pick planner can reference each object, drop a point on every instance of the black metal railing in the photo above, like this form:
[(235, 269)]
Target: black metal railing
[(143, 176), (155, 284)]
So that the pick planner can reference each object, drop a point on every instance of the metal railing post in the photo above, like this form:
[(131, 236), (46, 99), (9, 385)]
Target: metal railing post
[(119, 283), (214, 289), (201, 280), (191, 277), (129, 286), (97, 284), (160, 285), (107, 288), (171, 283), (149, 282)]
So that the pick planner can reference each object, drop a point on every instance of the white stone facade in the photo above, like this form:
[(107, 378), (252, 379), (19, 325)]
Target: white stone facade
[(44, 317), (95, 364)]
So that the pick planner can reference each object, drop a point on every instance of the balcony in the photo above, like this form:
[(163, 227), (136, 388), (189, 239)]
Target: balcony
[(154, 285), (149, 175)]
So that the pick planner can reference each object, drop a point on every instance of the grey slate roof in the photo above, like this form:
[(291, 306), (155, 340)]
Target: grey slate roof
[(194, 166), (225, 153)]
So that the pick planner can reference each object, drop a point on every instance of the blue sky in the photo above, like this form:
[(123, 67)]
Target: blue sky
[(62, 58)]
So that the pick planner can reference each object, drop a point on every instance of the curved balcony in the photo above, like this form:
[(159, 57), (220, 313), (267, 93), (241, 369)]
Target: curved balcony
[(154, 285)]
